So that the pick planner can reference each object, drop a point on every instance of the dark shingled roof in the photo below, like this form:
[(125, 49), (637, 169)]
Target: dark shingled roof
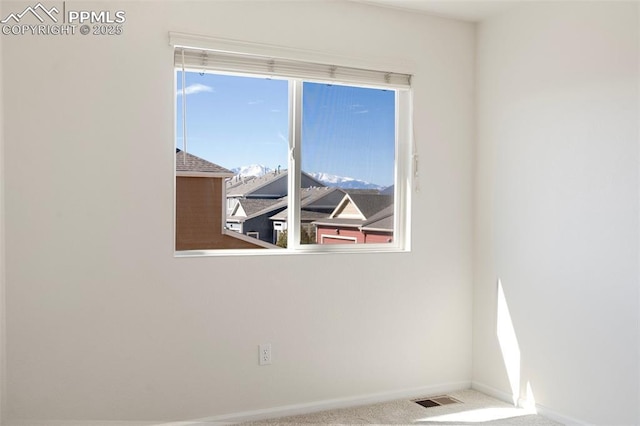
[(361, 191), (305, 215), (186, 162), (389, 190), (314, 193), (308, 196), (381, 221), (370, 204), (242, 186), (252, 206)]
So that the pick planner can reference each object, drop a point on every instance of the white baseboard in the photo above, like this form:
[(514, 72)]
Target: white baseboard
[(105, 423), (333, 404), (491, 391), (268, 413), (540, 409), (76, 423)]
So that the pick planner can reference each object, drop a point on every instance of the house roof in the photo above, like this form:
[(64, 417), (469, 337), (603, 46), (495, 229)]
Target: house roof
[(381, 221), (389, 190), (373, 207), (309, 196), (189, 164), (362, 191), (370, 204), (305, 215), (242, 187), (367, 204), (254, 207)]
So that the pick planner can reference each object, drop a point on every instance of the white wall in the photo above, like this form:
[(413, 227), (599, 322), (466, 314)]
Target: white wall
[(2, 249), (557, 205), (102, 321)]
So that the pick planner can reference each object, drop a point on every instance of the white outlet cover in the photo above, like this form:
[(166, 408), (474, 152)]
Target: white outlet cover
[(264, 354)]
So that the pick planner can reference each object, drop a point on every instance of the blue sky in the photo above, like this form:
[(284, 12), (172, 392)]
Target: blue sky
[(237, 121)]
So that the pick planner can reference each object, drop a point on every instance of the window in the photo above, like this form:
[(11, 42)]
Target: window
[(283, 156)]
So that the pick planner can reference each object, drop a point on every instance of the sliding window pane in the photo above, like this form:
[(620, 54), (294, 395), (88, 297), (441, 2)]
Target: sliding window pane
[(231, 176), (348, 161)]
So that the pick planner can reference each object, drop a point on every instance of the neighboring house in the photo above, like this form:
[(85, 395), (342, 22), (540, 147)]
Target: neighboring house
[(379, 227), (359, 218), (272, 185), (200, 198), (250, 216), (315, 203)]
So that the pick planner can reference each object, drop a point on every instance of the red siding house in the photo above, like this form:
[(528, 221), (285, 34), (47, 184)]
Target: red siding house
[(358, 219)]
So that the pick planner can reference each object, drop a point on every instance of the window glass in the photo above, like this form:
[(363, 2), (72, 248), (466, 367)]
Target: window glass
[(237, 126), (348, 144)]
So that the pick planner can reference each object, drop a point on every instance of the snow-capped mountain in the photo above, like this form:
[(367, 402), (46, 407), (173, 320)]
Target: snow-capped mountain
[(256, 170), (344, 182)]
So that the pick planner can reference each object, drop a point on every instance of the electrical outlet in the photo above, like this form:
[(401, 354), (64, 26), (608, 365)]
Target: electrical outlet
[(265, 354)]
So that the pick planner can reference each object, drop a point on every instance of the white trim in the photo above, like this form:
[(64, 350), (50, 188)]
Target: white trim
[(522, 402), (304, 249), (367, 229), (332, 404), (342, 205), (174, 212), (184, 108), (402, 191), (88, 423), (311, 407), (269, 413), (491, 391), (3, 264), (234, 211), (246, 238), (295, 179), (223, 207), (338, 237)]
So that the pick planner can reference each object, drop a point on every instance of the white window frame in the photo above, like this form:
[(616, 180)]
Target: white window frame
[(339, 237), (405, 162)]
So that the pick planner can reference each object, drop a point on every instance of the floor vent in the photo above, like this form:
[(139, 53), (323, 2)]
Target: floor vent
[(436, 401)]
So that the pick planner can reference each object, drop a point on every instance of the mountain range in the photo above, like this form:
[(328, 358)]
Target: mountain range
[(256, 170), (327, 179), (344, 182)]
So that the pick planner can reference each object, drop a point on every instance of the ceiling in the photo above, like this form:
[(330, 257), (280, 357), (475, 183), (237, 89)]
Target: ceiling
[(468, 10)]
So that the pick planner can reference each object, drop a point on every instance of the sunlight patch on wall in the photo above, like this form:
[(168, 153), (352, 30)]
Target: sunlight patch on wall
[(508, 344), (529, 403)]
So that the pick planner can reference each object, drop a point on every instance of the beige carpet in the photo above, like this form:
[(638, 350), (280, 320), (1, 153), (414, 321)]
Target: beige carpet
[(475, 408)]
